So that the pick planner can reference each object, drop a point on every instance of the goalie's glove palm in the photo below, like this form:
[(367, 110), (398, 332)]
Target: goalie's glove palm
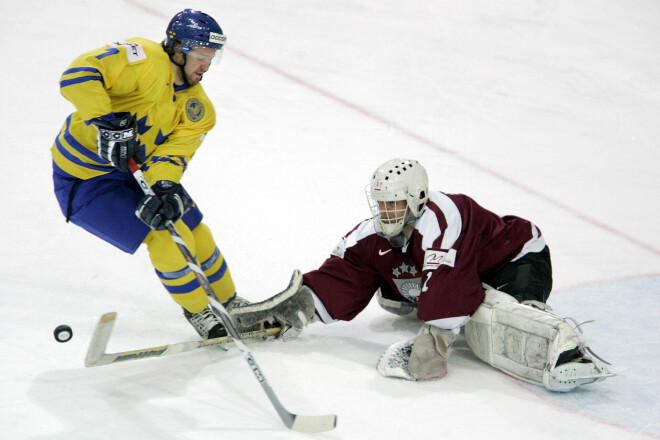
[(169, 203), (118, 140), (291, 312)]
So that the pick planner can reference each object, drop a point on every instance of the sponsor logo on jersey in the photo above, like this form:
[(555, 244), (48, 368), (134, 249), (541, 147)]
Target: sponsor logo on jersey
[(436, 258), (381, 252), (134, 51), (194, 109)]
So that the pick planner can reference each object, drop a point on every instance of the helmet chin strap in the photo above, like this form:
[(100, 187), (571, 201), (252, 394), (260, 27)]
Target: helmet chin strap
[(182, 68)]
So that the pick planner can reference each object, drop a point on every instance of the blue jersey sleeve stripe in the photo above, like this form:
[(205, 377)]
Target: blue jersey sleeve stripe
[(80, 148), (73, 159), (81, 69), (82, 79)]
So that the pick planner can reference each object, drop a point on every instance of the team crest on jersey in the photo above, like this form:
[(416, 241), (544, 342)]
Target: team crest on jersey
[(410, 288), (194, 109)]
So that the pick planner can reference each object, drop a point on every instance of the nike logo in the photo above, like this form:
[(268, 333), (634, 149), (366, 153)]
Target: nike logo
[(383, 252)]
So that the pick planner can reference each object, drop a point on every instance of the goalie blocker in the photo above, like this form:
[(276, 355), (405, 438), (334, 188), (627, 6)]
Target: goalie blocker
[(531, 344)]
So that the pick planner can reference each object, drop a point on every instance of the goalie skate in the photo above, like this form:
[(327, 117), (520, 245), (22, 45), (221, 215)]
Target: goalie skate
[(581, 371)]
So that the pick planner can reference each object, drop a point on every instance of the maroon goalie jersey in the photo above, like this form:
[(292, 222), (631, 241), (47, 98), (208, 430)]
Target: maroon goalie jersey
[(456, 243)]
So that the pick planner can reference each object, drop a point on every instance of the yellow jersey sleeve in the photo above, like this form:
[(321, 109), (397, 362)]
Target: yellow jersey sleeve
[(92, 78)]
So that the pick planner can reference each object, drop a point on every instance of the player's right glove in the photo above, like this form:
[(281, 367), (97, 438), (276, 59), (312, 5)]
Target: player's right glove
[(169, 203), (118, 140)]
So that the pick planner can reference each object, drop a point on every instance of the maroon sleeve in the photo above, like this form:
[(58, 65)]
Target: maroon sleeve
[(344, 285)]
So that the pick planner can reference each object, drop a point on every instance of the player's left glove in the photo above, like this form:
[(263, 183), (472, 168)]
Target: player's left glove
[(118, 140), (169, 203)]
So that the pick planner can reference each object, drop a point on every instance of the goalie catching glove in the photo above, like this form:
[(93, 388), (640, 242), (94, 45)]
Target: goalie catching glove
[(118, 140), (291, 309)]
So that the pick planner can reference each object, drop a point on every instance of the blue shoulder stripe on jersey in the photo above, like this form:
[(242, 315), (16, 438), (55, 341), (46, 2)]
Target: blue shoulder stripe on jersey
[(81, 69), (109, 51)]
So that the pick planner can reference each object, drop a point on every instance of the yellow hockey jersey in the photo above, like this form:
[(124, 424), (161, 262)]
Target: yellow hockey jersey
[(136, 77)]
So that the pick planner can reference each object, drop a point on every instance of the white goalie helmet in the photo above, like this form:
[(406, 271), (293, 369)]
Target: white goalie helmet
[(397, 180)]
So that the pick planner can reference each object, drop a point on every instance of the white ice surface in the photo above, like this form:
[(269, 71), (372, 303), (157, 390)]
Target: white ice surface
[(547, 109)]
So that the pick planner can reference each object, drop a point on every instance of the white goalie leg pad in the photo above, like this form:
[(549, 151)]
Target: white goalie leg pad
[(526, 343)]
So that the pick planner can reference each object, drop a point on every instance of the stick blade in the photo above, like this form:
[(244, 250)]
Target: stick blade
[(311, 424)]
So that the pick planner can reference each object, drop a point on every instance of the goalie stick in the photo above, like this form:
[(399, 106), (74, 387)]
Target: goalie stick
[(292, 421), (96, 355)]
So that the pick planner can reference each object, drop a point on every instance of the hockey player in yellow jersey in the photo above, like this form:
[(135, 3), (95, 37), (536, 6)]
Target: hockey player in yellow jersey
[(141, 99)]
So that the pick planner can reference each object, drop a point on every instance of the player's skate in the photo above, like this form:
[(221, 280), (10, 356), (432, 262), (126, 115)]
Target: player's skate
[(206, 323), (235, 302)]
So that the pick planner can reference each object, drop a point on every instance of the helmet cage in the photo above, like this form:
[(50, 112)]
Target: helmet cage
[(390, 217), (397, 180)]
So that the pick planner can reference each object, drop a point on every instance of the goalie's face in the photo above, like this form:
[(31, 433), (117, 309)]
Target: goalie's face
[(390, 216), (393, 211)]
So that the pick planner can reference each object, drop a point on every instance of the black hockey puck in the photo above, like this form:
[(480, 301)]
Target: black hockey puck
[(63, 333)]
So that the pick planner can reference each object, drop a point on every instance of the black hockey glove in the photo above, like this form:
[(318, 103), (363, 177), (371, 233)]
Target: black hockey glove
[(118, 140), (168, 204)]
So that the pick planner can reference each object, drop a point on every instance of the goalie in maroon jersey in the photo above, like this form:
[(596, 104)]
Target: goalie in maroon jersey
[(435, 256)]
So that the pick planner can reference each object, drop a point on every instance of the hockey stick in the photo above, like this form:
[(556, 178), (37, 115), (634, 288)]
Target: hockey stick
[(96, 355), (292, 421)]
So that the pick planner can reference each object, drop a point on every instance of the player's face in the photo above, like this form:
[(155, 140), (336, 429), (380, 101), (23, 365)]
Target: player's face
[(391, 212), (198, 63)]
